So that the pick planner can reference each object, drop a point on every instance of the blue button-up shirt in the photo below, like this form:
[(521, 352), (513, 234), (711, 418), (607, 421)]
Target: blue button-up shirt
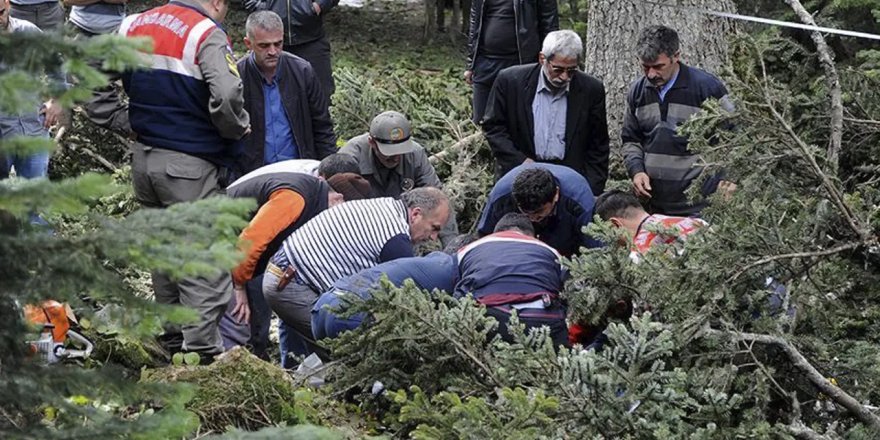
[(549, 111), (280, 142), (666, 87)]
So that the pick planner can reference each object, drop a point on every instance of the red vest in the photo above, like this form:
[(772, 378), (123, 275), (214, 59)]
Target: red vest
[(168, 101)]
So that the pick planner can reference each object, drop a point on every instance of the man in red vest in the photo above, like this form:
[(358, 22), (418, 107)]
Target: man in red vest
[(187, 111)]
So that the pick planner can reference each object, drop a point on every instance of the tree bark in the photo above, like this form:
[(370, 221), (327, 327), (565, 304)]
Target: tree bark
[(832, 79), (838, 395), (613, 27)]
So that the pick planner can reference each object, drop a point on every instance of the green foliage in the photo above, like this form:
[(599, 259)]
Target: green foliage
[(573, 15), (485, 388), (238, 390), (436, 102), (512, 414), (79, 265), (675, 372)]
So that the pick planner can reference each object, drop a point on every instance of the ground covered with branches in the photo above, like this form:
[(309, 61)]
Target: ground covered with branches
[(709, 355)]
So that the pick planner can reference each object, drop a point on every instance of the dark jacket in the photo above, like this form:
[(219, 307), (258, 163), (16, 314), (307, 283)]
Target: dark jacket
[(534, 20), (195, 109), (304, 103), (509, 125), (651, 143), (301, 24), (563, 228), (530, 270), (261, 185)]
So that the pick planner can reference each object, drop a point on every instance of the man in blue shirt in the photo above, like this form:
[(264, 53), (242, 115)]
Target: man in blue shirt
[(290, 116), (556, 199), (436, 270)]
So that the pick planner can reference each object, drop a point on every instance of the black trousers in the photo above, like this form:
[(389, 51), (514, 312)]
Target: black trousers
[(558, 329), (317, 53), (485, 70)]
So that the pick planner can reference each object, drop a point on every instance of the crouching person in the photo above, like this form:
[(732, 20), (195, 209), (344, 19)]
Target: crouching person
[(287, 198), (436, 270), (512, 270), (625, 211), (341, 242)]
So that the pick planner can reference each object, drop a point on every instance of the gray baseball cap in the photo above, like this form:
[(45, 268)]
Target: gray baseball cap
[(392, 131)]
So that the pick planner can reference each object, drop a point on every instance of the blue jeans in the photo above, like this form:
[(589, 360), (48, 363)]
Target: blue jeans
[(325, 324), (33, 166)]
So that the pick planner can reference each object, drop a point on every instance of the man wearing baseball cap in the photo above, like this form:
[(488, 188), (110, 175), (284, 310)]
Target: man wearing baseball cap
[(393, 163)]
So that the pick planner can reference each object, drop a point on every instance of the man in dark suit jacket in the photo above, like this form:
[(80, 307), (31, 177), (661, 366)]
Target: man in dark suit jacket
[(550, 112)]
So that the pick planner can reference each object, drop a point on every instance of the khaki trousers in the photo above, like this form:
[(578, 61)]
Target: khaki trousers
[(162, 178)]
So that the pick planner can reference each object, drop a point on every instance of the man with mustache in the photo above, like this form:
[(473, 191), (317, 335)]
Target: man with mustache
[(394, 163), (556, 199), (290, 117), (656, 156), (550, 112)]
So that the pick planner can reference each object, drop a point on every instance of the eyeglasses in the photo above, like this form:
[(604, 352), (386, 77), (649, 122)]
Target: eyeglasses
[(538, 215), (559, 70)]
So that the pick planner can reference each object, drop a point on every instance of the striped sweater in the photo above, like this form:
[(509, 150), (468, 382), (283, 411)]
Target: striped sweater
[(345, 239), (651, 143)]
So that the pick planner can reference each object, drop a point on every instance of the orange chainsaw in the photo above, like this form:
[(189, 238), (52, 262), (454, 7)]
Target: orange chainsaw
[(56, 336)]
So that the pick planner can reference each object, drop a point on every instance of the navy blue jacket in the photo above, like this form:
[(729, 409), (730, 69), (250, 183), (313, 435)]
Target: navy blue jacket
[(563, 229), (527, 271), (651, 143)]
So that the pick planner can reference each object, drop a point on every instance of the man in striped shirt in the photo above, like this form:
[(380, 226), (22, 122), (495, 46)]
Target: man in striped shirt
[(342, 241), (656, 156), (287, 198)]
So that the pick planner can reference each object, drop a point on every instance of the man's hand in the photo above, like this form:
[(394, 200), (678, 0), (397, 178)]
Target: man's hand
[(726, 188), (528, 160), (469, 77), (642, 184), (52, 113), (317, 8), (241, 312)]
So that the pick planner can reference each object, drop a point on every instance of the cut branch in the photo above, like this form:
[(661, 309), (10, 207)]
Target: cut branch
[(799, 430), (832, 79), (836, 394), (829, 186), (762, 261), (862, 121), (455, 147)]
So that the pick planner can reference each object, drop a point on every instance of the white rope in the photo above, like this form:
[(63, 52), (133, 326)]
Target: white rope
[(789, 24)]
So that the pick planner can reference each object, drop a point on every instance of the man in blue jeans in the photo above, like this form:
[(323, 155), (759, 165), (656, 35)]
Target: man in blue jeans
[(436, 270), (28, 123)]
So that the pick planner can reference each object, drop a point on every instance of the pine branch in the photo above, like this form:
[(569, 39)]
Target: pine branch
[(862, 121), (765, 260), (455, 147), (826, 57), (832, 190), (799, 430), (455, 342), (836, 394)]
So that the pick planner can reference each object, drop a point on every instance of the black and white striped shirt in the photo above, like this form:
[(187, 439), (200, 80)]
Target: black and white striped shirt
[(345, 239)]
